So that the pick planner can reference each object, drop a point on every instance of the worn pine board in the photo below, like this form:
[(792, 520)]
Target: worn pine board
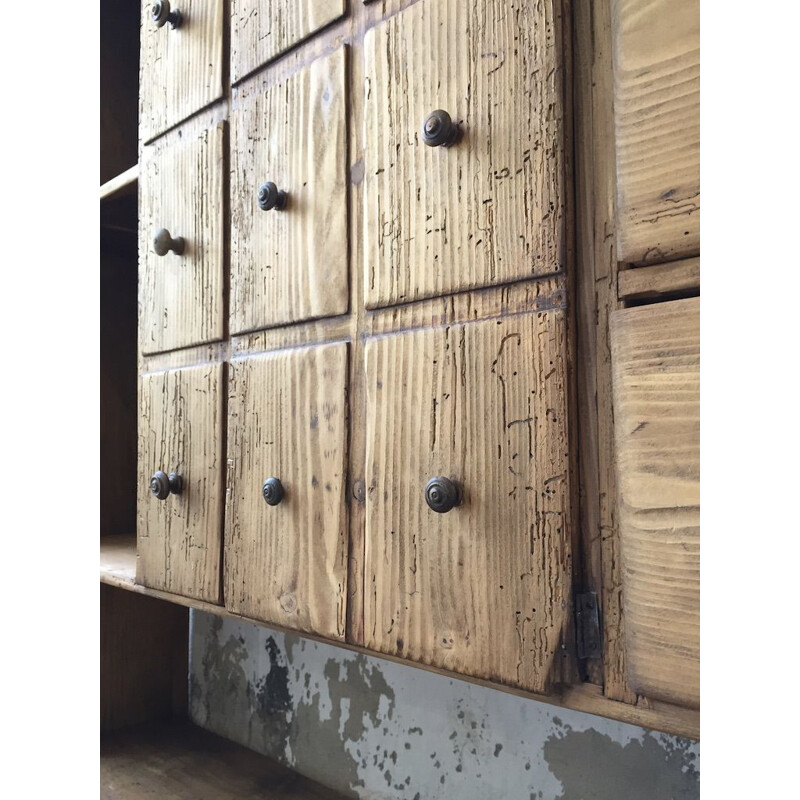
[(656, 363), (649, 283), (485, 588), (290, 265), (180, 71), (287, 418), (180, 429), (179, 761), (263, 29), (657, 109), (490, 209), (181, 189)]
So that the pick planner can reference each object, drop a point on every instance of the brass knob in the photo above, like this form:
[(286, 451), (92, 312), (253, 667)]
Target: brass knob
[(442, 494), (161, 14), (163, 243), (439, 130), (272, 491), (270, 196), (162, 485)]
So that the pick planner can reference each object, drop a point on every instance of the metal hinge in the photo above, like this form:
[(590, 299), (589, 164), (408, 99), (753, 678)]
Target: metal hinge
[(587, 625)]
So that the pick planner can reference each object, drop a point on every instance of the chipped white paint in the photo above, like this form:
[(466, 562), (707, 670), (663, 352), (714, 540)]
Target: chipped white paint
[(379, 730)]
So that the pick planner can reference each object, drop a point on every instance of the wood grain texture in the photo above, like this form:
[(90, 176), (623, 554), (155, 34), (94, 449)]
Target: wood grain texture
[(180, 70), (657, 108), (290, 265), (180, 761), (288, 419), (649, 283), (144, 659), (180, 430), (656, 359), (181, 189), (263, 29), (484, 589), (491, 208)]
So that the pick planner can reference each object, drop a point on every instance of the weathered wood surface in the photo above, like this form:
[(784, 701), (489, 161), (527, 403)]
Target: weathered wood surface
[(287, 418), (179, 761), (181, 189), (649, 283), (657, 107), (180, 430), (290, 265), (261, 30), (180, 71), (490, 209), (484, 589), (656, 359)]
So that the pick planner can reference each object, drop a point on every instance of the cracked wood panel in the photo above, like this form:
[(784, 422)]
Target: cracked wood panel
[(287, 564), (484, 589), (290, 265), (179, 539), (490, 209), (180, 70), (181, 296), (657, 108), (263, 29), (656, 363)]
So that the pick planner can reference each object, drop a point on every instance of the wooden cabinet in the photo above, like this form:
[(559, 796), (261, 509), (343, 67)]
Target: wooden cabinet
[(290, 264), (484, 588), (181, 195), (286, 551), (180, 68), (490, 208), (180, 434), (263, 29)]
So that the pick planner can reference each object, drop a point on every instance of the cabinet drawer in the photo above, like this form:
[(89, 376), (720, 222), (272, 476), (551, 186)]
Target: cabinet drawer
[(290, 264), (180, 433), (263, 29), (488, 209), (286, 551), (656, 372), (180, 295), (180, 69), (483, 589)]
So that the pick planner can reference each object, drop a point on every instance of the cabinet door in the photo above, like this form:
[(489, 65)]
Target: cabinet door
[(179, 536), (484, 588), (180, 295), (263, 29), (180, 69), (490, 208), (286, 552), (290, 264), (656, 370)]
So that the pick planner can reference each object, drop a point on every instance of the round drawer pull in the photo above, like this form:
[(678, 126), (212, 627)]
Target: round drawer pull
[(272, 491), (163, 243), (442, 494), (161, 14), (162, 485), (270, 196), (439, 130)]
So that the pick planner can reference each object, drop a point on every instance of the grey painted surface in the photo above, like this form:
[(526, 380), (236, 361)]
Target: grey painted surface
[(374, 729)]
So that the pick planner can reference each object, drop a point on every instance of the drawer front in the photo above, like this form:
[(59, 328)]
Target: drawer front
[(656, 372), (180, 70), (290, 264), (490, 208), (286, 561), (483, 589), (180, 296), (263, 29), (179, 537)]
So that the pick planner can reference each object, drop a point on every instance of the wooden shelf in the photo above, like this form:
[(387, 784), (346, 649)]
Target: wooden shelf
[(122, 184), (118, 560), (179, 761)]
